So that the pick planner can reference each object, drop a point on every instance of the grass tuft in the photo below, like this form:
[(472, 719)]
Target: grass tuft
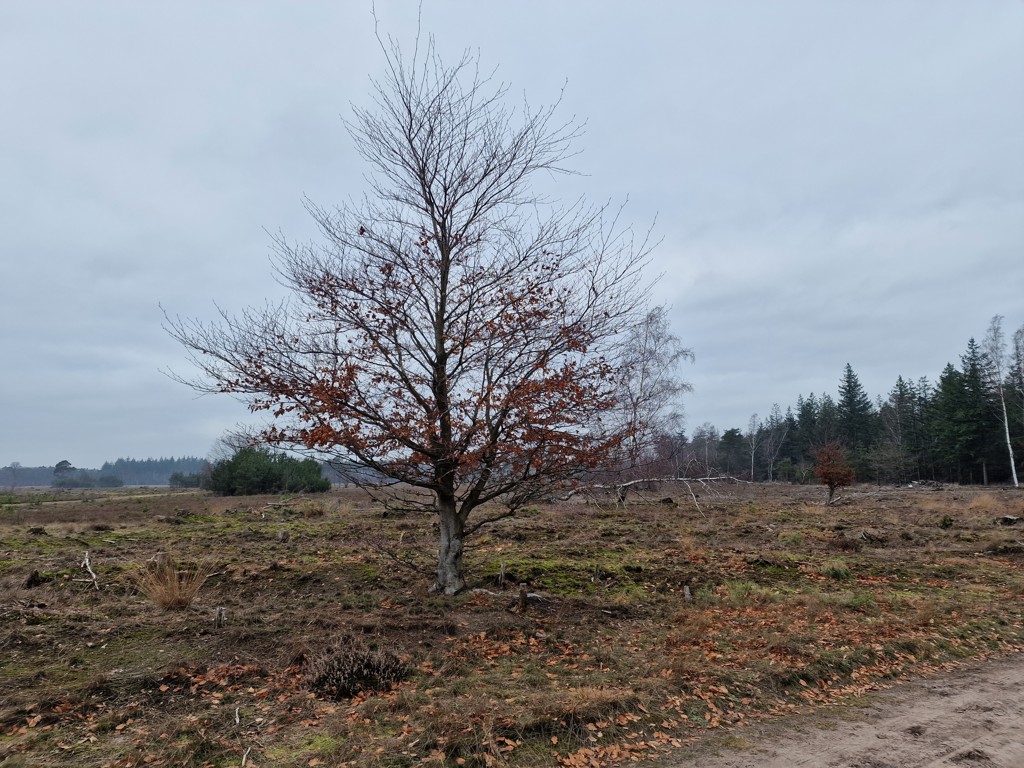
[(836, 569), (168, 584)]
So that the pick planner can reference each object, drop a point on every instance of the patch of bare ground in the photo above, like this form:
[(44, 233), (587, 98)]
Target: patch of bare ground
[(311, 639), (971, 717)]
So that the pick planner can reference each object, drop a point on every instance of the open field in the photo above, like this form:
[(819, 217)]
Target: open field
[(792, 606)]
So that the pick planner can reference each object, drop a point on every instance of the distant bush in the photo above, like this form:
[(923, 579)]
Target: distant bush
[(81, 480), (86, 480), (257, 470), (183, 480)]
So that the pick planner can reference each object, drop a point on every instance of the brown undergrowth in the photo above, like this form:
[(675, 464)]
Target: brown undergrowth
[(655, 626)]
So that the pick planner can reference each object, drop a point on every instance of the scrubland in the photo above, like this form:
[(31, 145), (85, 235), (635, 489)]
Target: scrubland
[(309, 637)]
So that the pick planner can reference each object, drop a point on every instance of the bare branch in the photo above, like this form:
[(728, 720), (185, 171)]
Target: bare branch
[(453, 334)]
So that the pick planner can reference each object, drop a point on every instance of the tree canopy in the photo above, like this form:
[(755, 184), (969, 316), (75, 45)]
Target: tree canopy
[(453, 331)]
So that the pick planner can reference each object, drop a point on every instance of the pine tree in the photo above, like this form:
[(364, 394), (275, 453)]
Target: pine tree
[(731, 451), (961, 423), (892, 453), (977, 418), (856, 413), (944, 421)]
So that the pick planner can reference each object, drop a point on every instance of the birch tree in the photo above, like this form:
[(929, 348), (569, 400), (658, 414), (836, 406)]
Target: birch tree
[(996, 364), (649, 391), (753, 437), (774, 432)]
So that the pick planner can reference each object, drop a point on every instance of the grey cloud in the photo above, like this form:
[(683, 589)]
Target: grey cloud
[(833, 182)]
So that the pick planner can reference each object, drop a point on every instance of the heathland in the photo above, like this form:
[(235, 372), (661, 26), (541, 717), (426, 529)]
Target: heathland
[(156, 627)]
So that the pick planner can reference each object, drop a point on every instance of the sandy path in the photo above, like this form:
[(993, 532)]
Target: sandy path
[(971, 718)]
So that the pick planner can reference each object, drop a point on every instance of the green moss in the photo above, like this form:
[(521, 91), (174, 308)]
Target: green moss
[(324, 744)]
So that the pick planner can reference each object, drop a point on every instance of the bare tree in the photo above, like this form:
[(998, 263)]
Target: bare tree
[(231, 442), (994, 347), (454, 334), (774, 431), (704, 447), (753, 437), (648, 394)]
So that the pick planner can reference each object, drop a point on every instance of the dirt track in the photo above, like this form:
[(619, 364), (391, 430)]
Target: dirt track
[(964, 719)]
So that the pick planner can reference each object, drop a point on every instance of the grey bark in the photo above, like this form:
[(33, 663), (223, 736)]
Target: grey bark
[(450, 578)]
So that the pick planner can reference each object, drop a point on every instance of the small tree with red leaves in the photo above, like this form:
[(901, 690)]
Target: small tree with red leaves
[(456, 338), (832, 469)]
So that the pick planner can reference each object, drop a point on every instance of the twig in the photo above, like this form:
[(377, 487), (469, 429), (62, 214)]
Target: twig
[(88, 567), (694, 497), (245, 757), (487, 520), (381, 549)]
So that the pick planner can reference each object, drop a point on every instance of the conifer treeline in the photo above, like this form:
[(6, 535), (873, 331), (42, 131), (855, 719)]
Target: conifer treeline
[(152, 471), (951, 430), (125, 471)]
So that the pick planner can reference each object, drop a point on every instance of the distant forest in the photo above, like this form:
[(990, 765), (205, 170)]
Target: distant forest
[(110, 475), (134, 472), (963, 428), (954, 430)]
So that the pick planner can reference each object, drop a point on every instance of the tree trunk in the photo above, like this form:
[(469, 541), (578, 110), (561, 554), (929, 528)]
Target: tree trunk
[(450, 570), (1009, 444)]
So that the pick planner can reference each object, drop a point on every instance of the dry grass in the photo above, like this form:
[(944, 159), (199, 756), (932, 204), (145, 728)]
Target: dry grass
[(168, 583), (985, 502), (613, 658)]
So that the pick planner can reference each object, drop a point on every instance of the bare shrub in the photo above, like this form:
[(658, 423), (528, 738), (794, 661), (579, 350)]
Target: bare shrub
[(168, 584), (843, 543), (347, 667)]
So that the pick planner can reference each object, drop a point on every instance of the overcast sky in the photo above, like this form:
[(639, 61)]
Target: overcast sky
[(833, 182)]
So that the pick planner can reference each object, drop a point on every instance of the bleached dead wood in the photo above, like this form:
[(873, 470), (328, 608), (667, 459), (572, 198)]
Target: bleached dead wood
[(619, 488), (92, 574)]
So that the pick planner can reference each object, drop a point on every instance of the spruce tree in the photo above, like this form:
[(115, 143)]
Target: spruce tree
[(978, 425), (856, 414)]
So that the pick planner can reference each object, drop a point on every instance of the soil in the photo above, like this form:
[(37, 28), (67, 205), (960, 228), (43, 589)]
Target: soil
[(973, 717), (659, 627)]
